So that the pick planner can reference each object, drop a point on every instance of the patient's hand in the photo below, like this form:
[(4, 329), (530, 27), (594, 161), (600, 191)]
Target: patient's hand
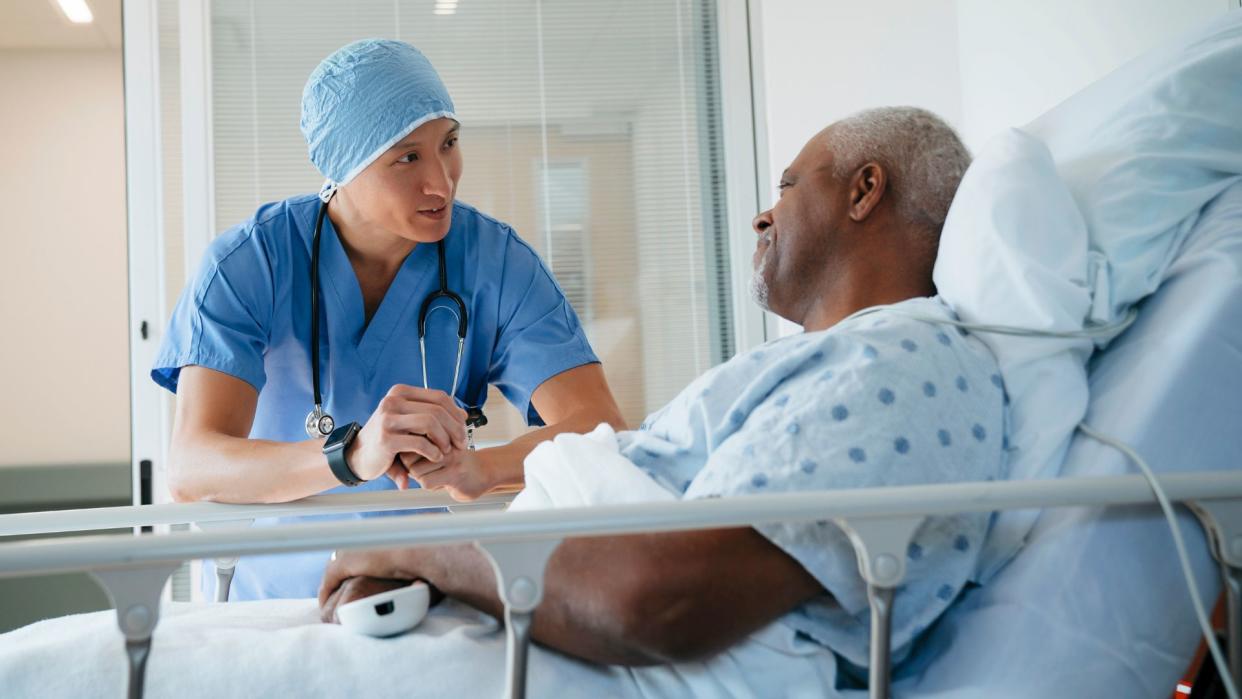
[(355, 589)]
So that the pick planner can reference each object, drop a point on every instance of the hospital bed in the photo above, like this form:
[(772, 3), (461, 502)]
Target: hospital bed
[(1170, 387), (1097, 591)]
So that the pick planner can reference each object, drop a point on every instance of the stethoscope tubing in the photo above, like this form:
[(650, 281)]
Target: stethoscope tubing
[(317, 416)]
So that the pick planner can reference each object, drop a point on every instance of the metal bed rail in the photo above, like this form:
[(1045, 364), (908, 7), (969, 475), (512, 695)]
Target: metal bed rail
[(879, 521), (91, 519)]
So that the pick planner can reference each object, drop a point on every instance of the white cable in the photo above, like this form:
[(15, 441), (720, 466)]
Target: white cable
[(1090, 331), (1222, 667)]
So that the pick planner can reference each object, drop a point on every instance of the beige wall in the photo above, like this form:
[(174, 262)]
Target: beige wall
[(64, 364)]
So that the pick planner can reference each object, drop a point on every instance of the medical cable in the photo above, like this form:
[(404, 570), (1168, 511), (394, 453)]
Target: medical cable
[(1222, 667), (1094, 331), (1090, 331)]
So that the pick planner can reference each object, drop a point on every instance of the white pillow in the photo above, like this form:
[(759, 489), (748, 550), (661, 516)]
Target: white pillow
[(1139, 154), (1145, 149), (1014, 252)]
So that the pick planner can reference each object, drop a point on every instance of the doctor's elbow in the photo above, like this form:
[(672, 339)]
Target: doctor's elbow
[(180, 487), (184, 460), (181, 494), (610, 414)]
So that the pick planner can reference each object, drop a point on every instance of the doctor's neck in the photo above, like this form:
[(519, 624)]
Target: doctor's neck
[(368, 244)]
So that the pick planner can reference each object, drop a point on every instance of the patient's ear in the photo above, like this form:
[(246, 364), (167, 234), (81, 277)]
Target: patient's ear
[(866, 189)]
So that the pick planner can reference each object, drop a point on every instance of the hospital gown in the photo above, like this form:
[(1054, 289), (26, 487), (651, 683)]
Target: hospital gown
[(878, 399)]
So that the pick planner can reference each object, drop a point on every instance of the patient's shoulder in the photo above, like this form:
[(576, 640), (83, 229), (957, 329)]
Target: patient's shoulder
[(910, 334), (904, 376)]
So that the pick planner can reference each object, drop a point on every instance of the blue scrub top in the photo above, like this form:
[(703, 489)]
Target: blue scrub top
[(247, 314)]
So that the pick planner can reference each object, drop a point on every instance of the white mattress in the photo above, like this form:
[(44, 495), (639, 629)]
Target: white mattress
[(278, 648), (1095, 605)]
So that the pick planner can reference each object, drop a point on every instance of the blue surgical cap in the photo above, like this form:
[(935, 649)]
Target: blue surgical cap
[(364, 98)]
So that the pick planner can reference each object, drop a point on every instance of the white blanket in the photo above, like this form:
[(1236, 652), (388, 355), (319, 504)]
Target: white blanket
[(279, 647)]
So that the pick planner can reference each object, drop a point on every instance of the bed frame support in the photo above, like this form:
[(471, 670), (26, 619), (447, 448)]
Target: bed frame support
[(1223, 521), (519, 567), (225, 566), (881, 545), (135, 593)]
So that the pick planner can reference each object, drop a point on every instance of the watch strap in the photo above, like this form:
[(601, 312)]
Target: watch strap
[(335, 450)]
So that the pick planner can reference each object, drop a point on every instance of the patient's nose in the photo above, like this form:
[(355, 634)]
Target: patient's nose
[(762, 222)]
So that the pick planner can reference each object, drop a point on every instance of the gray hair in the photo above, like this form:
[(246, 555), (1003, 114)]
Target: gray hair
[(922, 155)]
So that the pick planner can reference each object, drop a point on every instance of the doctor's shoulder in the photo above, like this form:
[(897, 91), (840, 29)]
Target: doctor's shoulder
[(494, 238), (257, 250), (489, 228), (280, 230)]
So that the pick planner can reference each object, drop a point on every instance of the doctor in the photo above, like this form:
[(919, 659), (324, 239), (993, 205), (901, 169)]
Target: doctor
[(394, 251)]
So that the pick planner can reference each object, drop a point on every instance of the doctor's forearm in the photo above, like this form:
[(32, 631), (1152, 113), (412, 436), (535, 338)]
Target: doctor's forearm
[(220, 468)]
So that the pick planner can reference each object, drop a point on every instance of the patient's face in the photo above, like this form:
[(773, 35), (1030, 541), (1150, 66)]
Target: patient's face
[(798, 236)]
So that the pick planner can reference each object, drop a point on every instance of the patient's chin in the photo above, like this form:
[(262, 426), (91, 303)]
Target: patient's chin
[(759, 288)]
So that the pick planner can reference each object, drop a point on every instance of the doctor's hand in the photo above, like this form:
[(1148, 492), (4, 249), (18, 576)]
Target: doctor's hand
[(465, 475), (410, 421)]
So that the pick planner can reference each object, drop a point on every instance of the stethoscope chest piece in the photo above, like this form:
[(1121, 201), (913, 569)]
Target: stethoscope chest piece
[(319, 424)]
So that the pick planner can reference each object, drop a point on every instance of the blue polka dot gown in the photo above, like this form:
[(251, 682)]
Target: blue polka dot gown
[(879, 399)]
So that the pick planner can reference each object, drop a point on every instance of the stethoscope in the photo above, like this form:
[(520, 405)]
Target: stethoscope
[(320, 424)]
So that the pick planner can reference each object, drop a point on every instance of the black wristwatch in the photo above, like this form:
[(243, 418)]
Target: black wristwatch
[(335, 448)]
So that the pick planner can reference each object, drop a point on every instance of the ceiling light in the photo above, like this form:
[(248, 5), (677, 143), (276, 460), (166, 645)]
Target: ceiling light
[(445, 11), (76, 11)]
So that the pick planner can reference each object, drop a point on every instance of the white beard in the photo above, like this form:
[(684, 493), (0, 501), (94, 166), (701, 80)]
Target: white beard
[(759, 285)]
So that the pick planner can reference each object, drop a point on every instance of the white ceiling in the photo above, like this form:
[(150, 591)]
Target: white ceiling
[(39, 24)]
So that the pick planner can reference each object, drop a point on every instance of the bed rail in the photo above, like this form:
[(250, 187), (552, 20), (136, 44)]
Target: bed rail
[(93, 519), (879, 522)]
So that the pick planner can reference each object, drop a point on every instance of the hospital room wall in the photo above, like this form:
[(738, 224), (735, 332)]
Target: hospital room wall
[(63, 284), (982, 65), (63, 301), (1018, 60)]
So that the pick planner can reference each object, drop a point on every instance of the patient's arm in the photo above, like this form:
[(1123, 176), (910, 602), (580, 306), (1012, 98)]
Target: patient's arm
[(632, 600)]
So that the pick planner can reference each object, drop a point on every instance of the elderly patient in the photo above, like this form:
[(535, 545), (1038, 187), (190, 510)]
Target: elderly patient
[(856, 400)]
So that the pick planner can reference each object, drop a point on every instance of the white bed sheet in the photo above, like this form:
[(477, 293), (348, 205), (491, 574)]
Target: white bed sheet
[(277, 648)]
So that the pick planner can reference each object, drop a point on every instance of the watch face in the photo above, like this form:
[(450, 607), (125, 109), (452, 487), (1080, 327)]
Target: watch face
[(340, 435)]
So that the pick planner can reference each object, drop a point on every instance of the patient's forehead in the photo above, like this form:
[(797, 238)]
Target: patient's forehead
[(817, 154)]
